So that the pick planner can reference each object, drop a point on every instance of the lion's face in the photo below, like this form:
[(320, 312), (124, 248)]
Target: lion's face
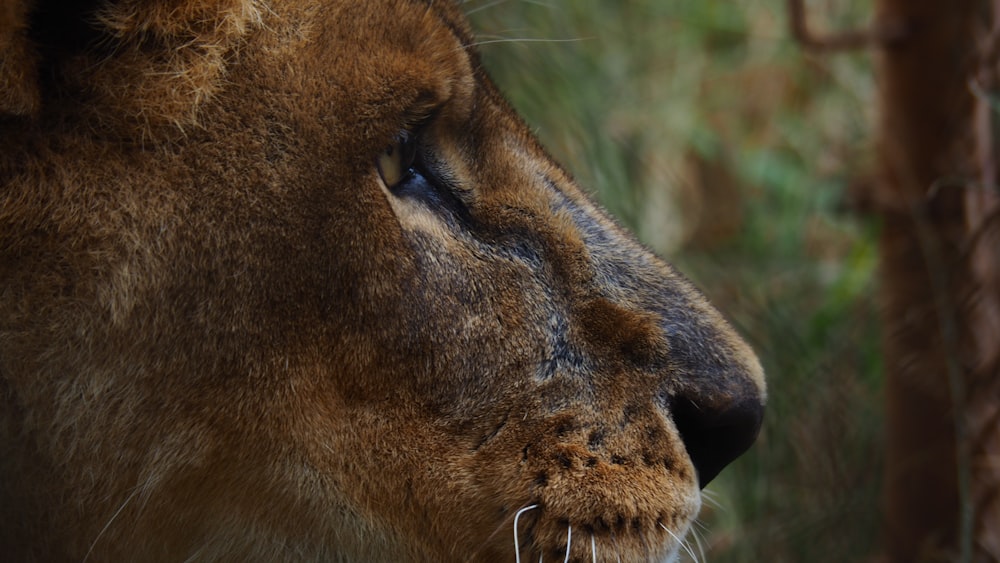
[(291, 281)]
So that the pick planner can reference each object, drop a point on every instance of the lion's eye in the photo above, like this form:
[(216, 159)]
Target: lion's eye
[(396, 162)]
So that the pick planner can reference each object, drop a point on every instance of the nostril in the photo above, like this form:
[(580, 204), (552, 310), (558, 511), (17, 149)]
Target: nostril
[(715, 436)]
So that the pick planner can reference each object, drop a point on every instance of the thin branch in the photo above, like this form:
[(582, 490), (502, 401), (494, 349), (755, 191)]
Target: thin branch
[(879, 35)]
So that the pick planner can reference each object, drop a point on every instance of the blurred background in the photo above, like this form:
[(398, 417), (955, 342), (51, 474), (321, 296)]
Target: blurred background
[(732, 152)]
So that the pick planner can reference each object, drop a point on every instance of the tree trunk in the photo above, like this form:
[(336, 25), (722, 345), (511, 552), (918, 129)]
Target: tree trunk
[(940, 280)]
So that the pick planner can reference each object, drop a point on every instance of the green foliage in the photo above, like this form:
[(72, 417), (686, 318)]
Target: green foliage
[(707, 130)]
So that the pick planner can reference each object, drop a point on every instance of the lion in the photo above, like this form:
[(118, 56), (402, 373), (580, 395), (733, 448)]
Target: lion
[(291, 281)]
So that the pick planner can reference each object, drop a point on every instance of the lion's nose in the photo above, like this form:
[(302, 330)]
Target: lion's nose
[(716, 392), (716, 432)]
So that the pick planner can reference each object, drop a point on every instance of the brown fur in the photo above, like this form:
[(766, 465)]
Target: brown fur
[(223, 338)]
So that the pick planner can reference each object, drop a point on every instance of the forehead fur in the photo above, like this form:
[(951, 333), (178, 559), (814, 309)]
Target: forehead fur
[(151, 63)]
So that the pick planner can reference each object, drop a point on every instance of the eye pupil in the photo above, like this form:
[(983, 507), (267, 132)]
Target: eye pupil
[(395, 163)]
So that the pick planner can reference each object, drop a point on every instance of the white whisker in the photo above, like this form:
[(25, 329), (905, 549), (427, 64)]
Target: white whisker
[(114, 516), (618, 551), (195, 556), (517, 547), (524, 40), (593, 549), (711, 498), (569, 541), (700, 526), (485, 6), (681, 543), (697, 541)]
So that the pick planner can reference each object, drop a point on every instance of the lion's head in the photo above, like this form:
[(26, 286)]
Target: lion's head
[(291, 281)]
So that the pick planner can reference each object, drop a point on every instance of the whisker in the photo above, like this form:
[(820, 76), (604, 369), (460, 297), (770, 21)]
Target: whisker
[(618, 551), (593, 549), (569, 541), (525, 40), (517, 547), (697, 541), (107, 525), (195, 556), (485, 6), (535, 2), (681, 543), (712, 498)]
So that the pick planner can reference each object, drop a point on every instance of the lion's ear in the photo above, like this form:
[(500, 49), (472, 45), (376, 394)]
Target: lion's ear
[(154, 59), (19, 90), (34, 35)]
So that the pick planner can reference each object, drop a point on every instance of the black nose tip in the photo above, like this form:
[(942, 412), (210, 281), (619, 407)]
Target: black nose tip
[(715, 435)]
